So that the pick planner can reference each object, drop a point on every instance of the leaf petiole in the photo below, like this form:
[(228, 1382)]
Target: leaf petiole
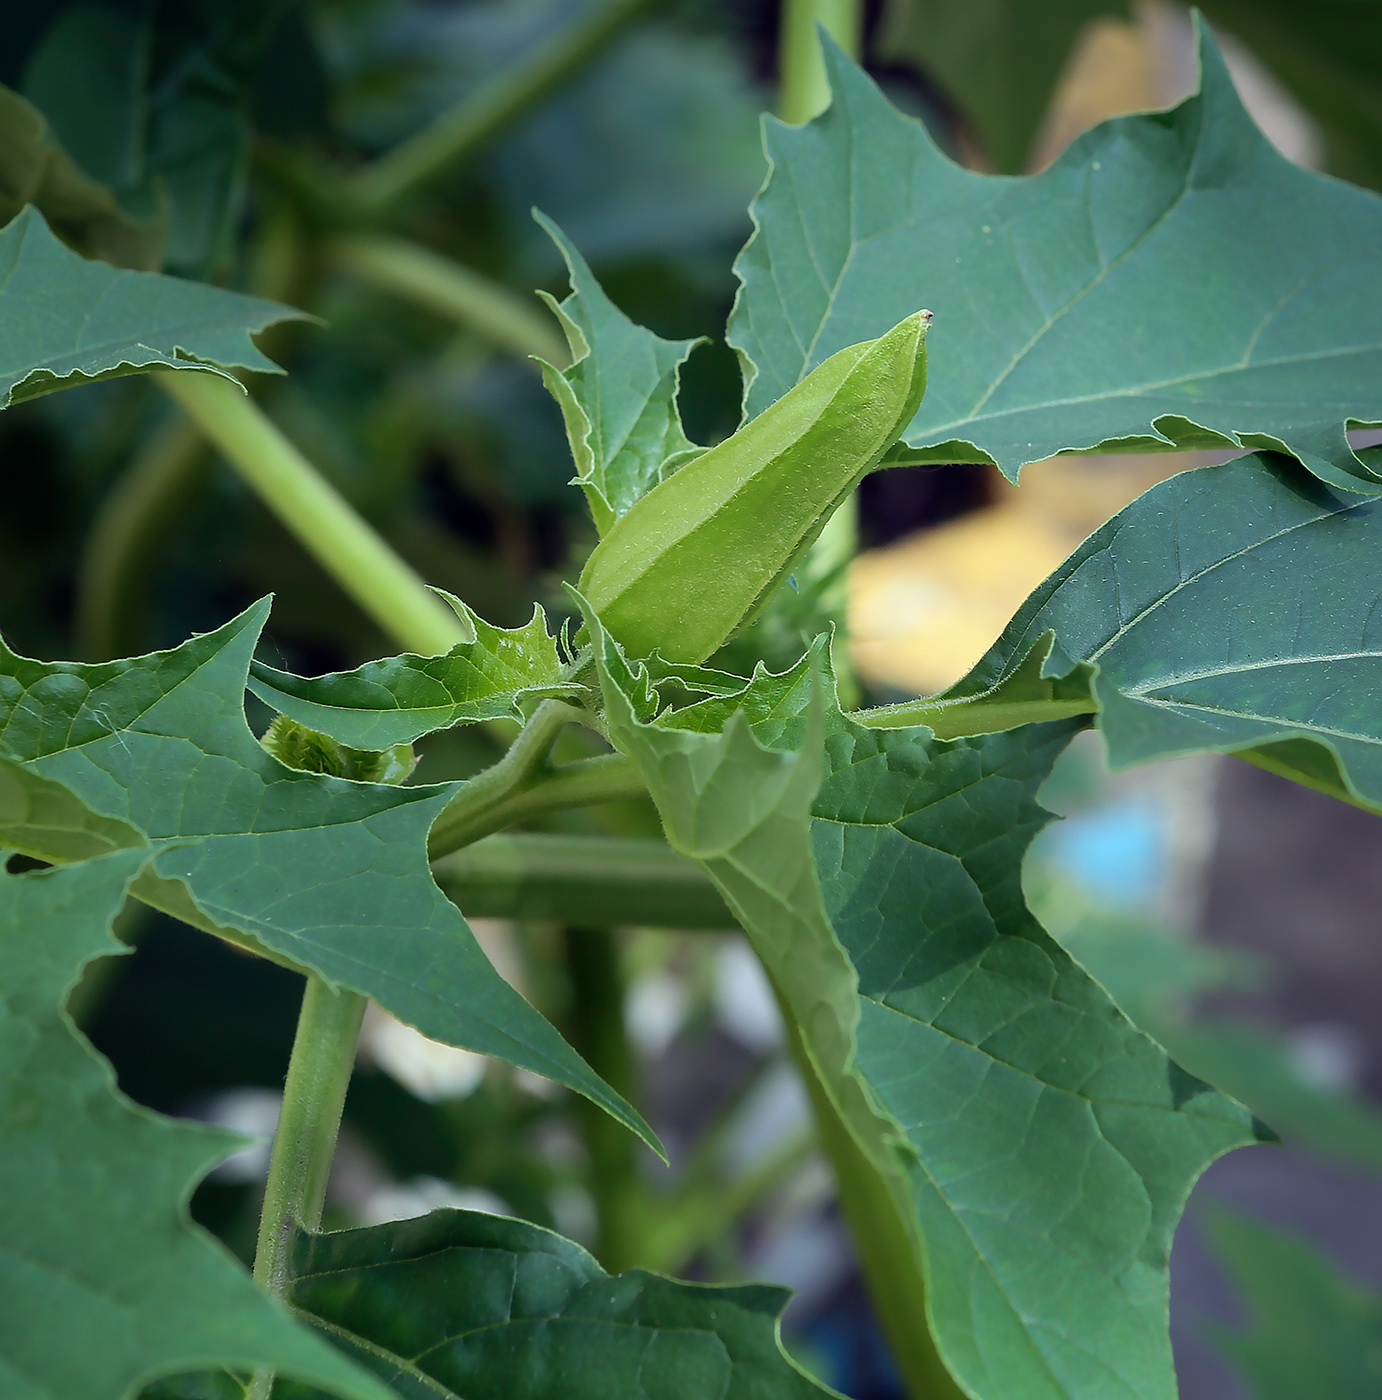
[(524, 783)]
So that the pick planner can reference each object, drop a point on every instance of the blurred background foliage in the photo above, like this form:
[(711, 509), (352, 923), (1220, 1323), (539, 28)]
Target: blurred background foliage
[(266, 145)]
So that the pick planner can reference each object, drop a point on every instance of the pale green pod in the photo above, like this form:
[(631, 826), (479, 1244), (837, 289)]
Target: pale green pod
[(695, 558)]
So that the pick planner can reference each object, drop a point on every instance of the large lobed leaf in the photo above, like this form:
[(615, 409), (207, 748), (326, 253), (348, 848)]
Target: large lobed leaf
[(1233, 608), (105, 1283), (463, 1306), (65, 320), (618, 397), (1171, 281), (326, 873), (1033, 1148), (395, 701)]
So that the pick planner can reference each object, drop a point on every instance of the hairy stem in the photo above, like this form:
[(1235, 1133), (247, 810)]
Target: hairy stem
[(313, 1095), (525, 784), (457, 134), (349, 549), (595, 1028), (444, 287), (803, 91), (122, 544)]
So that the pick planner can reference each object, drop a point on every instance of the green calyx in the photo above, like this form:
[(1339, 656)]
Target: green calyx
[(296, 746), (695, 559)]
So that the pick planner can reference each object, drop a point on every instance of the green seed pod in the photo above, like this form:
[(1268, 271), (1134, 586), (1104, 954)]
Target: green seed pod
[(695, 558)]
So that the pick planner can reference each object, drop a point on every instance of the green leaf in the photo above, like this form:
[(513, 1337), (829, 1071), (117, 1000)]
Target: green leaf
[(458, 1304), (998, 61), (1171, 281), (619, 396), (1158, 976), (37, 814), (1314, 1331), (395, 701), (1035, 1147), (105, 1283), (1212, 613), (326, 873), (708, 546), (34, 169), (65, 320)]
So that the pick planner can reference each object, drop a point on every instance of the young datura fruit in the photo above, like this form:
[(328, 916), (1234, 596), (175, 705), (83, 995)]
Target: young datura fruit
[(697, 557)]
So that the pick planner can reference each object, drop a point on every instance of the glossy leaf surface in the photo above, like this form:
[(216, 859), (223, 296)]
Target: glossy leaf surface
[(1312, 1330), (1035, 1146), (327, 873), (699, 555), (1170, 281), (619, 396), (105, 1282), (65, 320), (464, 1306), (1226, 609), (395, 701)]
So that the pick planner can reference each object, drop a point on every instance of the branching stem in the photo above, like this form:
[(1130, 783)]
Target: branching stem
[(524, 783)]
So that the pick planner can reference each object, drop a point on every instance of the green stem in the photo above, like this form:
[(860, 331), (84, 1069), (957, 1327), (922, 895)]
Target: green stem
[(313, 1096), (586, 783), (444, 287), (600, 880), (595, 1028), (456, 135), (803, 90), (122, 545), (885, 1239), (955, 719), (349, 549), (524, 784)]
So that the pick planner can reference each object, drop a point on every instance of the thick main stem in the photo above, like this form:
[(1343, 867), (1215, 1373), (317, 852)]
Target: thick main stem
[(595, 1028), (313, 1096), (456, 135), (349, 549), (803, 90), (308, 1125)]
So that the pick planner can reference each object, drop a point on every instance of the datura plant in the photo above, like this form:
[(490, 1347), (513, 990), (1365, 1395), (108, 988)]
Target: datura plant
[(1012, 1152)]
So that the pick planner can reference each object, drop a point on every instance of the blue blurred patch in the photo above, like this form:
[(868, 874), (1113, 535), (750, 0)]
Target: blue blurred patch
[(1117, 852)]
